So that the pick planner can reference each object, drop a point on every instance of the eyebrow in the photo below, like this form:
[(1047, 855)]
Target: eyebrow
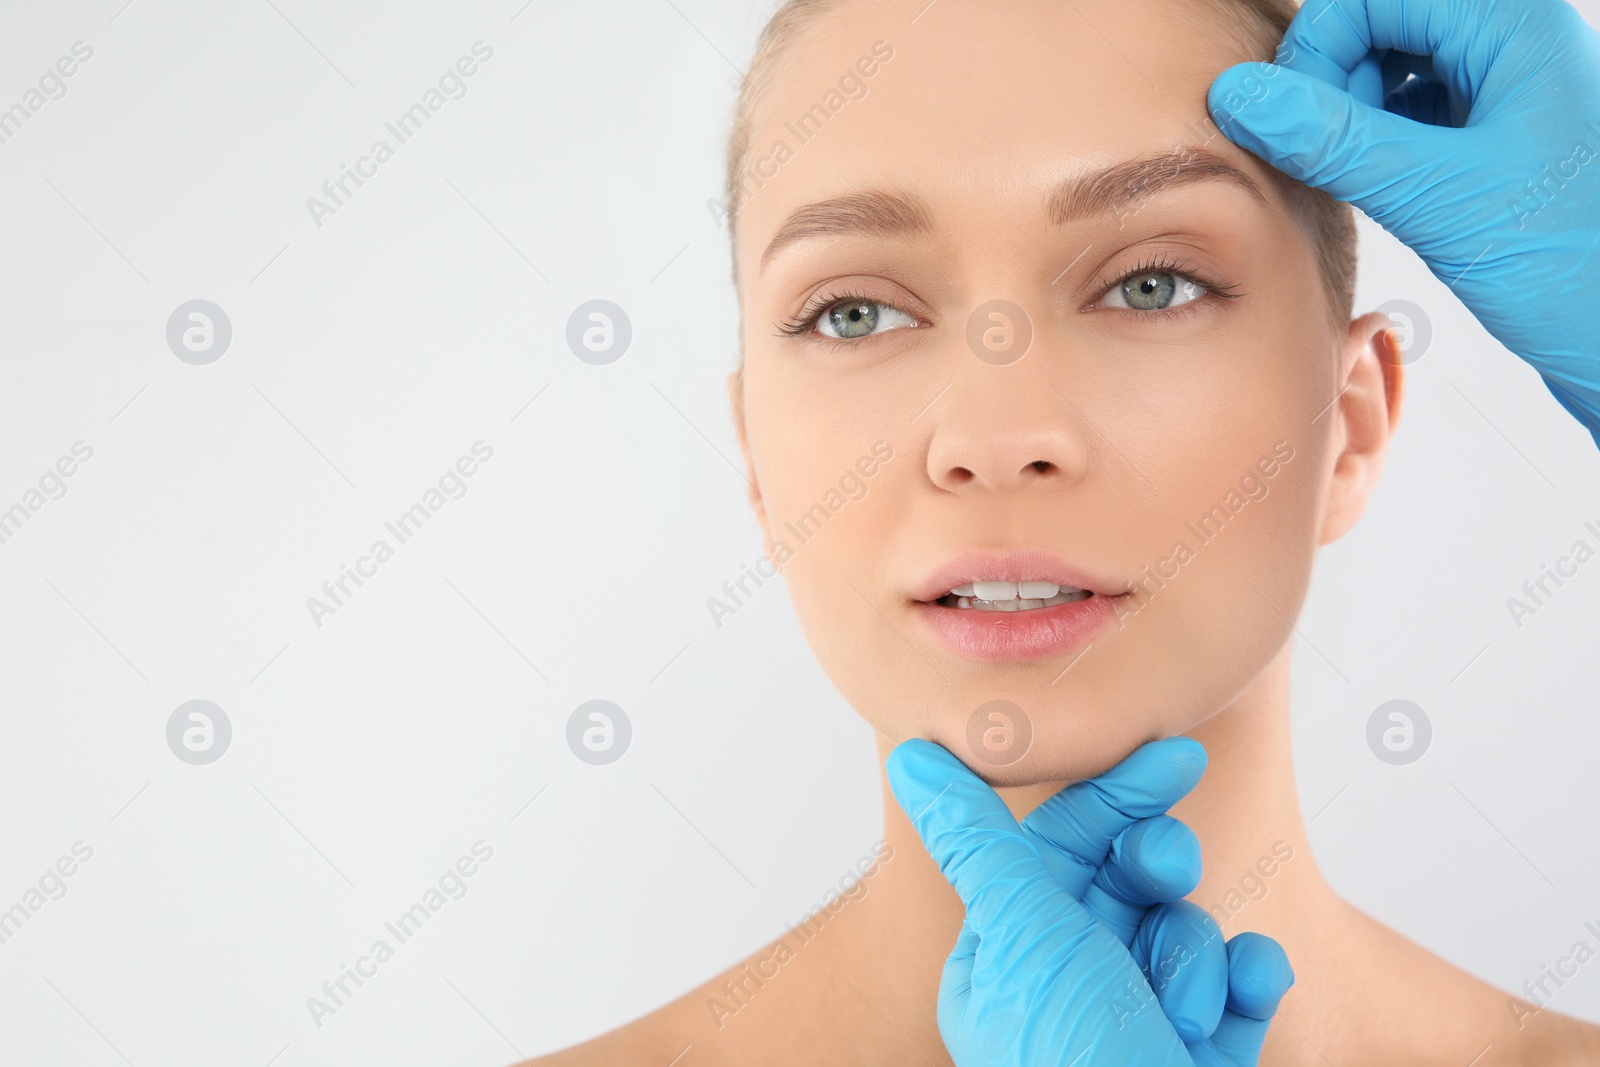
[(1104, 191), (1096, 192)]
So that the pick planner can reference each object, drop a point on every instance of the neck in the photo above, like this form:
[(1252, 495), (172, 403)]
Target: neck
[(1258, 869)]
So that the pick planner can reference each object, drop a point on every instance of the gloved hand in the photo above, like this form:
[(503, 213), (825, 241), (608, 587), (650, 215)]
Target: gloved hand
[(1485, 164), (1038, 975), (1107, 841)]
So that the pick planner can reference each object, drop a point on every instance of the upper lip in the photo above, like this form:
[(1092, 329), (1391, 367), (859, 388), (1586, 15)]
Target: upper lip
[(1018, 565)]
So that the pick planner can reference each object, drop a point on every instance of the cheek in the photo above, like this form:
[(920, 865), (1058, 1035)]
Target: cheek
[(1222, 561), (1218, 532), (1218, 588), (833, 478), (837, 584)]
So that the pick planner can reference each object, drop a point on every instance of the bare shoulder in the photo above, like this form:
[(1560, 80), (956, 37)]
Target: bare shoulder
[(662, 1037), (1546, 1037), (782, 1005), (642, 1041), (1436, 1012), (694, 1030)]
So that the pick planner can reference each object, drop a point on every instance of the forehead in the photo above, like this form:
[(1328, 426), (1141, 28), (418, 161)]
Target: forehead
[(998, 100)]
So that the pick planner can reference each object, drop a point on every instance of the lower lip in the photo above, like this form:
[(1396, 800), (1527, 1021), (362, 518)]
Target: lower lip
[(1011, 636)]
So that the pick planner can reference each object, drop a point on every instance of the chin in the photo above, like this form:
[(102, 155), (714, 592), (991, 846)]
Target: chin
[(1023, 740)]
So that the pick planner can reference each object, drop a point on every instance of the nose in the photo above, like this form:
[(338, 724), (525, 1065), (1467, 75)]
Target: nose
[(1003, 429)]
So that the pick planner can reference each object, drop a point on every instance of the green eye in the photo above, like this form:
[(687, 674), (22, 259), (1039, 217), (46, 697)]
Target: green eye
[(845, 316), (1153, 290), (853, 320), (861, 318)]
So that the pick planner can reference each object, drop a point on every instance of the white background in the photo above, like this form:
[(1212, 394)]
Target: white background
[(371, 752)]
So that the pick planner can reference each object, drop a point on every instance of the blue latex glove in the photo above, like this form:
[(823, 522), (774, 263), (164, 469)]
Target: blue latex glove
[(1104, 841), (1487, 163), (1038, 975)]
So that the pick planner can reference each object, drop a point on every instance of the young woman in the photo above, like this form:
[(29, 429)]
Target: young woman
[(1048, 396)]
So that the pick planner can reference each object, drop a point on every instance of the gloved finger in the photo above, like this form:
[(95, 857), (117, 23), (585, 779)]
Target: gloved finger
[(1154, 861), (1074, 828), (979, 847), (1328, 39), (1186, 962), (1365, 82), (1323, 136), (1258, 976), (955, 984)]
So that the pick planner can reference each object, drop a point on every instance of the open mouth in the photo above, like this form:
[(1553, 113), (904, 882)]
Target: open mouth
[(1010, 596), (1024, 604)]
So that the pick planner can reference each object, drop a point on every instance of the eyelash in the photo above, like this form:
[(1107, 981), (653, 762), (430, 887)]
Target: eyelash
[(1162, 265), (808, 316)]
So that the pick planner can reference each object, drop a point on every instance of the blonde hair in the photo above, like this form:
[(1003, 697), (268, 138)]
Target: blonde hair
[(1255, 26)]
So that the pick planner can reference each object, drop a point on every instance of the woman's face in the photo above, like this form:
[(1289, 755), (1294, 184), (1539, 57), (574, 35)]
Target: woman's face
[(1161, 444)]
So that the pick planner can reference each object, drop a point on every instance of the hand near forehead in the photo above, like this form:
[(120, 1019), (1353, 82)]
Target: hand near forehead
[(1471, 132), (1077, 945)]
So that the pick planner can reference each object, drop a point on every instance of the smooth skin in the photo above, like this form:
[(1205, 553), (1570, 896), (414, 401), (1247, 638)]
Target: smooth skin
[(1121, 965), (1109, 436)]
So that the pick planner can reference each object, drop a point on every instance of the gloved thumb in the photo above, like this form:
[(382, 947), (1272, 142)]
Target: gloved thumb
[(1323, 136)]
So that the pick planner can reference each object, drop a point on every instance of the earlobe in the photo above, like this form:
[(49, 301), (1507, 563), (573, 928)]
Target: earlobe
[(1372, 383)]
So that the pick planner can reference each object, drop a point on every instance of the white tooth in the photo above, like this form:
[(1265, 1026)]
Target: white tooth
[(1027, 604), (994, 590), (962, 590), (964, 602), (1037, 590), (1006, 605)]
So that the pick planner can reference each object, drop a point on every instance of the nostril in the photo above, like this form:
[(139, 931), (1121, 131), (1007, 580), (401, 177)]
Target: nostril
[(1040, 465)]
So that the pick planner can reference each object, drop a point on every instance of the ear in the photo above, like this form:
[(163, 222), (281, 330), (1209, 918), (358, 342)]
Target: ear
[(1371, 383), (736, 401)]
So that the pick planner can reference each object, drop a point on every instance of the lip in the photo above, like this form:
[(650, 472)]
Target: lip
[(1020, 565), (1013, 636)]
